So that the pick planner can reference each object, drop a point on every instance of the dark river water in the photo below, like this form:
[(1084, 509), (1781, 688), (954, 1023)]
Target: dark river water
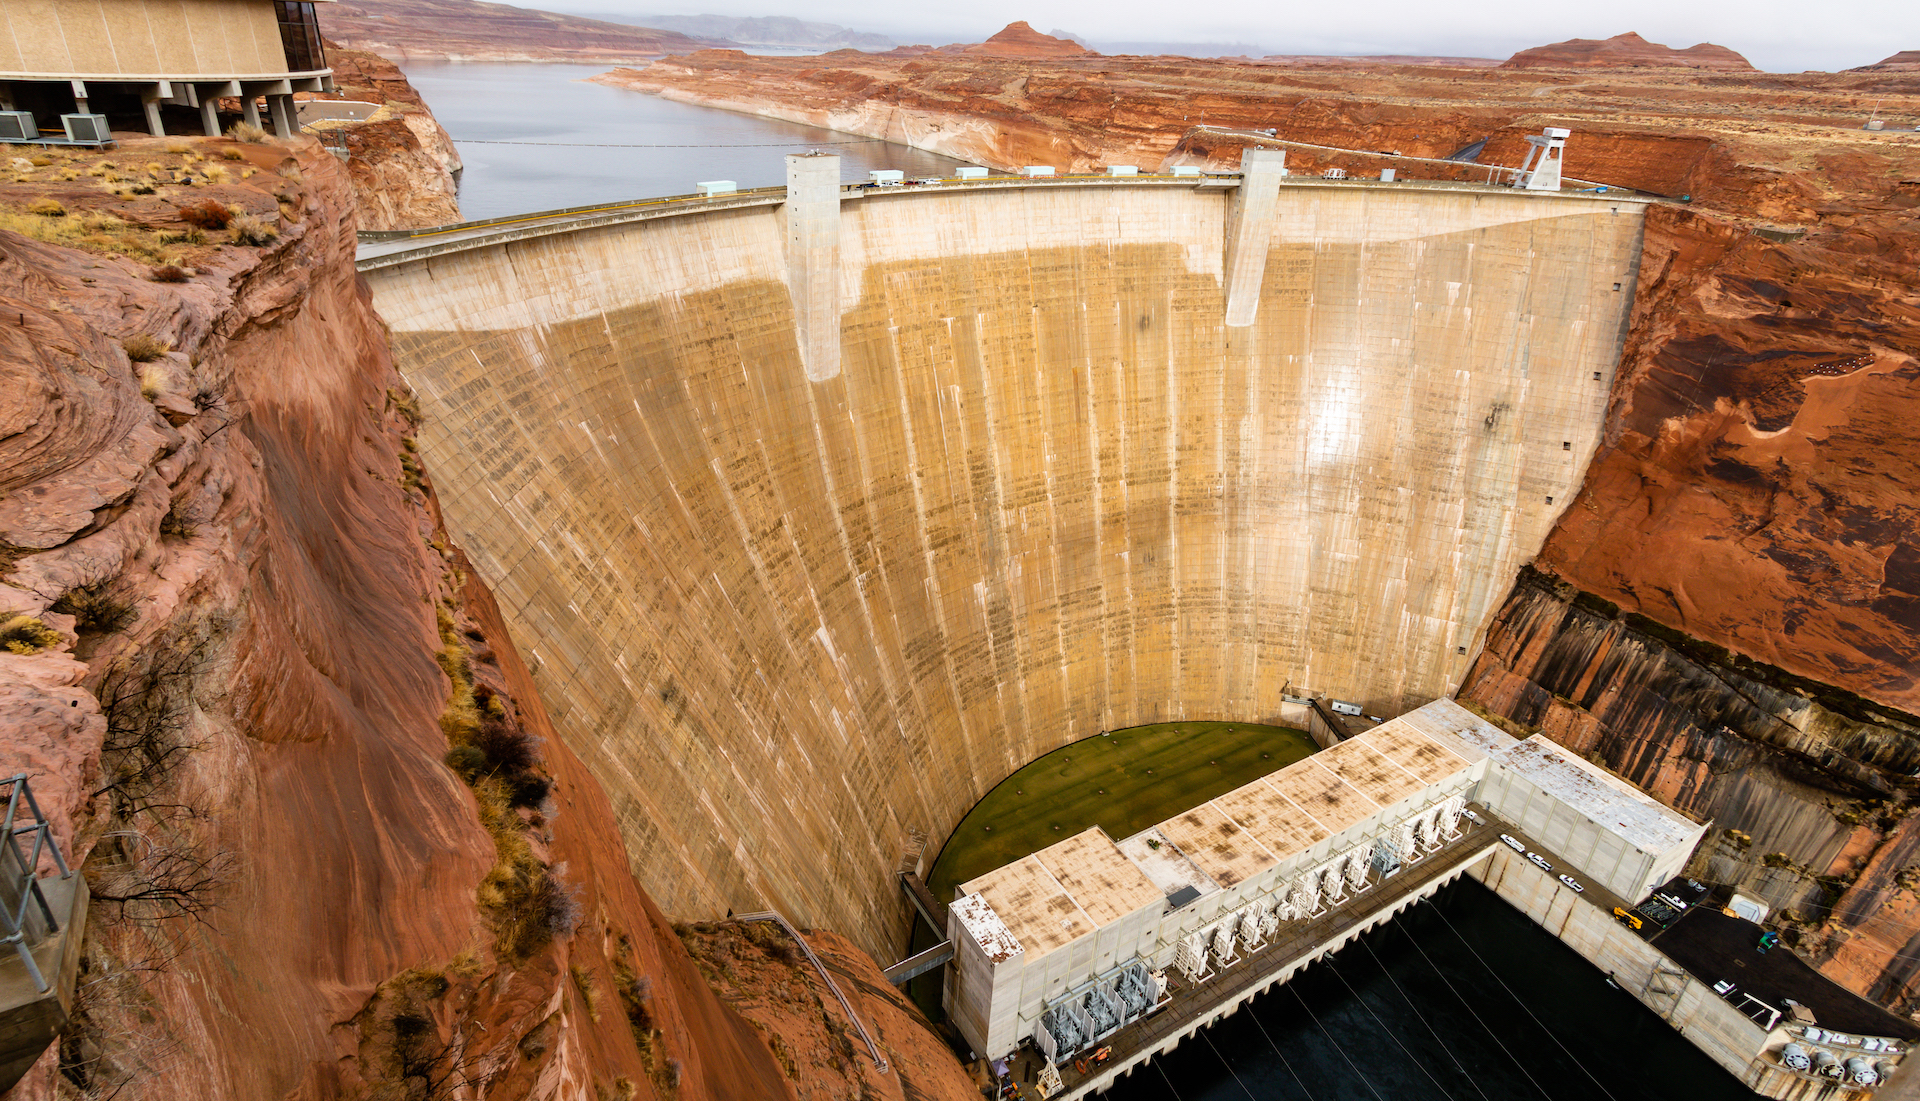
[(1459, 1000), (587, 143)]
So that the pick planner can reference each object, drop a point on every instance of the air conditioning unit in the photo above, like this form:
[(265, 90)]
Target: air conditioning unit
[(90, 129), (18, 126)]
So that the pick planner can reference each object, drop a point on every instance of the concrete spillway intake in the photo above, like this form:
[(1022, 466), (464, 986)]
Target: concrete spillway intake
[(800, 614)]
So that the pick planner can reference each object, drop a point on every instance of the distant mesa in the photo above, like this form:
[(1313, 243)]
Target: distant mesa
[(1906, 61), (1021, 40), (1627, 51)]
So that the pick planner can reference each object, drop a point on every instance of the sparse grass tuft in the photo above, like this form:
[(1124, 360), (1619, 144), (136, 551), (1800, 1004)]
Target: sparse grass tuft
[(146, 347), (249, 230), (216, 174), (25, 635), (247, 132), (589, 990), (153, 381), (232, 155), (178, 147), (47, 207)]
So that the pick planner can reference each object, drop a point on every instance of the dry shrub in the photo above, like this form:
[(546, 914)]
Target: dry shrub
[(40, 160), (153, 381), (208, 215), (47, 207), (247, 132), (216, 174), (24, 635), (249, 230), (171, 273), (92, 232), (178, 147), (145, 347), (95, 610), (232, 155)]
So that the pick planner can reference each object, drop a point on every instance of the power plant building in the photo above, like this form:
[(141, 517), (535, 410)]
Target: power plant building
[(1042, 944)]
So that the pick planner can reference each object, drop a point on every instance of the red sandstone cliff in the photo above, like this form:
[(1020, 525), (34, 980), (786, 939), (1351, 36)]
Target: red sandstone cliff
[(1626, 51), (471, 30), (335, 848), (1906, 61), (402, 161)]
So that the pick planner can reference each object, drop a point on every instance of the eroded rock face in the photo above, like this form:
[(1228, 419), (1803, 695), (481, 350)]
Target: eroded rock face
[(402, 161), (240, 727), (1626, 51), (1906, 61), (1020, 40), (462, 30)]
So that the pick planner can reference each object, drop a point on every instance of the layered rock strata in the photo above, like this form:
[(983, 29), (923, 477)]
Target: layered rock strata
[(403, 163), (334, 847)]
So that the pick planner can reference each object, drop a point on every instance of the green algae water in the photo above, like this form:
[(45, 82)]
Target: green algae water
[(1122, 781)]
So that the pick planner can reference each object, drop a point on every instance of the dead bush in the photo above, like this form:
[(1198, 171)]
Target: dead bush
[(247, 132), (47, 207), (211, 214), (95, 610), (170, 273)]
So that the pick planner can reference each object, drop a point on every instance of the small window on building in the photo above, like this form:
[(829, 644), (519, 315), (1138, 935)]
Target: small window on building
[(300, 36), (1549, 500), (1596, 376), (1616, 286), (1566, 445)]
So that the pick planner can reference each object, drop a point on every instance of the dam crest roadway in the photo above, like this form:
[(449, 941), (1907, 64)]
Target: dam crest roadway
[(818, 511)]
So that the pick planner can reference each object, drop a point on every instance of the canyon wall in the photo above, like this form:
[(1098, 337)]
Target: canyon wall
[(334, 847), (798, 628)]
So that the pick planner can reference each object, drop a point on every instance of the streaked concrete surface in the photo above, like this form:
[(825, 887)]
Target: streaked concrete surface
[(797, 626)]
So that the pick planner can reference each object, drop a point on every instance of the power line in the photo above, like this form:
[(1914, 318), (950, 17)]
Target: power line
[(1283, 1056), (1422, 1018), (1336, 1044), (1521, 1067), (1388, 1032), (1168, 1081), (1524, 1006), (721, 145), (1224, 1063)]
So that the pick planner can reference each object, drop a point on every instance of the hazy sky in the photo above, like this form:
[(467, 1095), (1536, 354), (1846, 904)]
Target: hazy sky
[(1776, 35)]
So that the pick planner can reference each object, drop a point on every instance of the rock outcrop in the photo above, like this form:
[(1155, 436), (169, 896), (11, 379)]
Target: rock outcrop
[(1627, 51), (335, 850), (472, 30), (402, 161), (1020, 40), (1906, 61)]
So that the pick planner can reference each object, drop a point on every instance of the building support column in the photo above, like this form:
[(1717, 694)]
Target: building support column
[(812, 211), (209, 114), (250, 107), (1250, 226), (282, 108)]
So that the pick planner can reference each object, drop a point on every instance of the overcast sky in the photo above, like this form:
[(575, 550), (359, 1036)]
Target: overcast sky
[(1776, 35)]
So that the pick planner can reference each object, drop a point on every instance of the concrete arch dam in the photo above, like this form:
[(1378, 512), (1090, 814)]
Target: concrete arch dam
[(818, 513)]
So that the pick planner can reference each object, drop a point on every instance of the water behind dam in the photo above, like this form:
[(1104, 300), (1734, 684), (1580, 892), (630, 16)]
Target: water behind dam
[(588, 143)]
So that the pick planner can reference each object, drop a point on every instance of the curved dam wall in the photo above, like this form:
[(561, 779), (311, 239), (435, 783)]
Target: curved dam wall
[(799, 627)]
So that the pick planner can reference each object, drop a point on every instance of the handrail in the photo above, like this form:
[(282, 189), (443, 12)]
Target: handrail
[(879, 1061), (14, 921)]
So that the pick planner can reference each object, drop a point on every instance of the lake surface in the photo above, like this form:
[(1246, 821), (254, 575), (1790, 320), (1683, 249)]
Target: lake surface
[(587, 143)]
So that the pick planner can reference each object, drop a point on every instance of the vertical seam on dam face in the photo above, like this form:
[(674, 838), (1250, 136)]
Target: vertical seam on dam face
[(806, 560)]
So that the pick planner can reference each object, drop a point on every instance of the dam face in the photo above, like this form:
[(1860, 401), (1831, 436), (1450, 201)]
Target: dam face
[(799, 615)]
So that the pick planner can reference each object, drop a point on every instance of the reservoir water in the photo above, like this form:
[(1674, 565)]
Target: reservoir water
[(577, 143)]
